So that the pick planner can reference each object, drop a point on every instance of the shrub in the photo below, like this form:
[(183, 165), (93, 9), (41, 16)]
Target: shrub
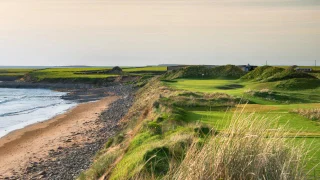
[(179, 150), (156, 104), (157, 161), (155, 128), (204, 131), (160, 119), (109, 143), (119, 138)]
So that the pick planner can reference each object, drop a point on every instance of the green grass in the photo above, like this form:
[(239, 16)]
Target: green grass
[(54, 73), (73, 69), (74, 73), (14, 72), (216, 85), (69, 73), (294, 122), (207, 85), (148, 68), (213, 85)]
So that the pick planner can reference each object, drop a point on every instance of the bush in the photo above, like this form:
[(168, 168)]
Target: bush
[(179, 150), (109, 143), (119, 138), (160, 119), (156, 104), (155, 128), (204, 131), (157, 161)]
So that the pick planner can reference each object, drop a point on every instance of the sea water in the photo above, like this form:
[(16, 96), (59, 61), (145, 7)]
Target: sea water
[(23, 107)]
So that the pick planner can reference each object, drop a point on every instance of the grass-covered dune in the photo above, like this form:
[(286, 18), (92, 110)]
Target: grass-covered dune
[(189, 128), (262, 73), (269, 73), (287, 79), (204, 72)]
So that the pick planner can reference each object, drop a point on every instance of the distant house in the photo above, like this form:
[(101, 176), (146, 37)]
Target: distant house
[(247, 68), (304, 69)]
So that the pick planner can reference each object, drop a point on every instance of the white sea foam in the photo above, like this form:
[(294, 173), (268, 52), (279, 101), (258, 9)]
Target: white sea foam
[(23, 107)]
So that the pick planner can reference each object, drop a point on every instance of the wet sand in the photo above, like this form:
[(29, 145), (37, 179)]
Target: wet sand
[(34, 143)]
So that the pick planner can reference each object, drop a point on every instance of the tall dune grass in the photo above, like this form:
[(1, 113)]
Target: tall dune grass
[(313, 114), (249, 148)]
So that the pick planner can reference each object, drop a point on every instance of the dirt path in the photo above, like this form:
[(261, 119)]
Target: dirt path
[(34, 143)]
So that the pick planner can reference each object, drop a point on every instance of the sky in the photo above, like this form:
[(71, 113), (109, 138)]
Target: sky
[(151, 32)]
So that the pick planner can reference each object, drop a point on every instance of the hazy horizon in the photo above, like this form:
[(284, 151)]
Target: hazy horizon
[(152, 32)]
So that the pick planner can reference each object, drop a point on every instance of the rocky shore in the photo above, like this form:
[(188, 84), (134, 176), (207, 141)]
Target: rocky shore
[(76, 92), (68, 162)]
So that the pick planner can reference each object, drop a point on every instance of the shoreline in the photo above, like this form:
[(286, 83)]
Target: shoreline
[(18, 133), (31, 123), (34, 143)]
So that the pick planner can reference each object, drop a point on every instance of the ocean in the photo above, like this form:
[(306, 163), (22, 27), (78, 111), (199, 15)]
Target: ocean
[(22, 107)]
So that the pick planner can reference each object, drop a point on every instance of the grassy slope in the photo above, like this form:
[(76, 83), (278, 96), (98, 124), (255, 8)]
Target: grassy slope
[(178, 126)]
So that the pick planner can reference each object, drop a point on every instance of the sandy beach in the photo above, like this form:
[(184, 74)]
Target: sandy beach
[(34, 143)]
